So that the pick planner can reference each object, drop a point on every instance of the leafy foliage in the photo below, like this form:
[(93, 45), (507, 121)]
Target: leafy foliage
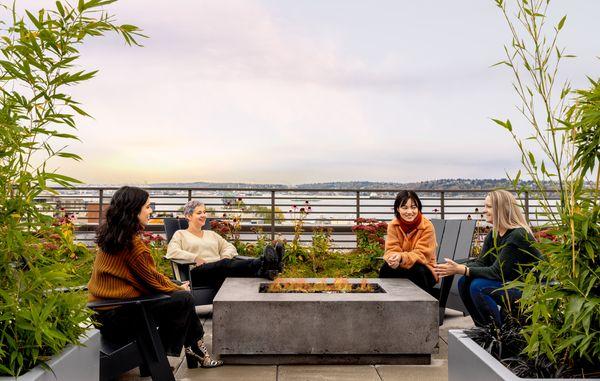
[(561, 296), (39, 51), (370, 235)]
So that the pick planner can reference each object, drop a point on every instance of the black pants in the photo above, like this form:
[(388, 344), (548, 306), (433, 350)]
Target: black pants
[(178, 324), (419, 274), (213, 274)]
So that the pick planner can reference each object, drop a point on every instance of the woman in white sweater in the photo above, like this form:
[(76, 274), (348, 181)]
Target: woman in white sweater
[(215, 258)]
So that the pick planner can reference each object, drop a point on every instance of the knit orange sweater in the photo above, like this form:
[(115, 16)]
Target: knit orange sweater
[(418, 246), (129, 274)]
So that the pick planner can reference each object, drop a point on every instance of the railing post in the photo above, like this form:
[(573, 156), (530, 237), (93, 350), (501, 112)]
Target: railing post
[(358, 204), (527, 206), (189, 195), (442, 205), (272, 215), (100, 205)]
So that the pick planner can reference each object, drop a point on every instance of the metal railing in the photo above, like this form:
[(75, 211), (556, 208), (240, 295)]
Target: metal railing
[(274, 211)]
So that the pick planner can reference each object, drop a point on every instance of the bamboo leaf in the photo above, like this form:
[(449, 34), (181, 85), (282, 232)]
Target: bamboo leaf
[(561, 23)]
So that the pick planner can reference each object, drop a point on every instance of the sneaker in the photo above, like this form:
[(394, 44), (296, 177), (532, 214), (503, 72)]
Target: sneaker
[(280, 251)]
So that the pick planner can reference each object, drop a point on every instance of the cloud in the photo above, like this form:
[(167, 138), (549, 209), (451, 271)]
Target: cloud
[(246, 91)]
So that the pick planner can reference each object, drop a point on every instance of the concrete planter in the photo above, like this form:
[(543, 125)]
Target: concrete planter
[(74, 363), (467, 361)]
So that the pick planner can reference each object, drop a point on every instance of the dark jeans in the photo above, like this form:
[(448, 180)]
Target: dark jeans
[(419, 274), (178, 324), (213, 274), (483, 299)]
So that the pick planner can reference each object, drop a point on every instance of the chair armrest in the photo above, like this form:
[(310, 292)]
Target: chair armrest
[(123, 302), (70, 289), (180, 261)]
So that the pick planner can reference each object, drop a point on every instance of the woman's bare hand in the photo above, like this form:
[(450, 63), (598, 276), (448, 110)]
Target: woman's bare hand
[(199, 261), (449, 268), (394, 260)]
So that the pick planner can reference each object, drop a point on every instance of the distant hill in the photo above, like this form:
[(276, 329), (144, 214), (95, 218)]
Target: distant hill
[(442, 184)]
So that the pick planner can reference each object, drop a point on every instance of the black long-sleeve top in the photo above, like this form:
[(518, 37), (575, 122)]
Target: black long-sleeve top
[(502, 257)]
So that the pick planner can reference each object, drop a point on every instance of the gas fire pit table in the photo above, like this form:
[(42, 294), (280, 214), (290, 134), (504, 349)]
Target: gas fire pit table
[(397, 325)]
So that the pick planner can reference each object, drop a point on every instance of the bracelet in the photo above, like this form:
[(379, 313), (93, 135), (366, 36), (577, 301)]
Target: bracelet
[(466, 270)]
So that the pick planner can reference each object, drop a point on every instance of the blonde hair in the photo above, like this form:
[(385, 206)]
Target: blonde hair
[(506, 212)]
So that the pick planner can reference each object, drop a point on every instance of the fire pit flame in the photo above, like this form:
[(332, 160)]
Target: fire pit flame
[(339, 285)]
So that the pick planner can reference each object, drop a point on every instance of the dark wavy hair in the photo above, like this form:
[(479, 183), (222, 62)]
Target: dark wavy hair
[(121, 223), (402, 198)]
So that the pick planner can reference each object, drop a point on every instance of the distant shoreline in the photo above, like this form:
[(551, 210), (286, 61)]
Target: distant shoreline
[(441, 184)]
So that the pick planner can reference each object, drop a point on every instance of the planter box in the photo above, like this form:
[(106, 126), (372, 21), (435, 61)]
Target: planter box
[(467, 361), (74, 363)]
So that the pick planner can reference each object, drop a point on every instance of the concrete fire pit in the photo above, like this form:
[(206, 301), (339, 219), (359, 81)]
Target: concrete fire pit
[(397, 326)]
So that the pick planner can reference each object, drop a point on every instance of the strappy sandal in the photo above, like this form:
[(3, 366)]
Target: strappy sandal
[(210, 363), (194, 360), (202, 347)]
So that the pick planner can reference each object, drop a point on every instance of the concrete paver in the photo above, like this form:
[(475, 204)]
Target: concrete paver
[(437, 371), (229, 372), (327, 373), (442, 350), (454, 320)]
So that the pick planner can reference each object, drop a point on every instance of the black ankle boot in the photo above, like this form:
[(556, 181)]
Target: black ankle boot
[(269, 263)]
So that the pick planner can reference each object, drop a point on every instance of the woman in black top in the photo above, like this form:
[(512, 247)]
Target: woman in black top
[(507, 249)]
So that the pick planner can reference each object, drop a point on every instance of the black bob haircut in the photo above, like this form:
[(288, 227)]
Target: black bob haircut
[(402, 198)]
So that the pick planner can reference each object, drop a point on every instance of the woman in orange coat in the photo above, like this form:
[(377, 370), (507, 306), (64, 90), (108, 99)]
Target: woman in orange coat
[(410, 244)]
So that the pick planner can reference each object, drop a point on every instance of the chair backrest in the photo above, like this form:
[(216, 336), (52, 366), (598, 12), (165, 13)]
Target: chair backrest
[(454, 238), (465, 240), (171, 226), (448, 240), (438, 226)]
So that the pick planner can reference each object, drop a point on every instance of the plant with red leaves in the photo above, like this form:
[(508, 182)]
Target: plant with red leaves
[(370, 234)]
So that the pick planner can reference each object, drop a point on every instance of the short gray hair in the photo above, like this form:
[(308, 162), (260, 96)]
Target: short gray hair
[(188, 209)]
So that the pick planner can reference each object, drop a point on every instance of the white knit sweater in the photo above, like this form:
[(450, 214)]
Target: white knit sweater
[(211, 247)]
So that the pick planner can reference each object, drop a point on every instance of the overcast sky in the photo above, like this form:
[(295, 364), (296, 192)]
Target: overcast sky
[(293, 91)]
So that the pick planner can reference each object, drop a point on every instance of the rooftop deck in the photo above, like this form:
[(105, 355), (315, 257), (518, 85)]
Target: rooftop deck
[(437, 371)]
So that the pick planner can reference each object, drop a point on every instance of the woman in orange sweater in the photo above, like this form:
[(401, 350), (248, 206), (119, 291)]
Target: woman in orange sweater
[(410, 244), (124, 269)]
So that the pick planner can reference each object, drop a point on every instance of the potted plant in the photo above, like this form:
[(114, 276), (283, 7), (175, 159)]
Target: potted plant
[(38, 319), (555, 333)]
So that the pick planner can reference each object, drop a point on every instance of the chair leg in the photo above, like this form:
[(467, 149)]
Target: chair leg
[(144, 370), (152, 351)]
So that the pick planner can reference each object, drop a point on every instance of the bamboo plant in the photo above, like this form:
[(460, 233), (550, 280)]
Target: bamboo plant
[(38, 119), (559, 141)]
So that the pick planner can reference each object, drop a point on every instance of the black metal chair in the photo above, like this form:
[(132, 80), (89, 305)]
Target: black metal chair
[(182, 269), (145, 351)]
